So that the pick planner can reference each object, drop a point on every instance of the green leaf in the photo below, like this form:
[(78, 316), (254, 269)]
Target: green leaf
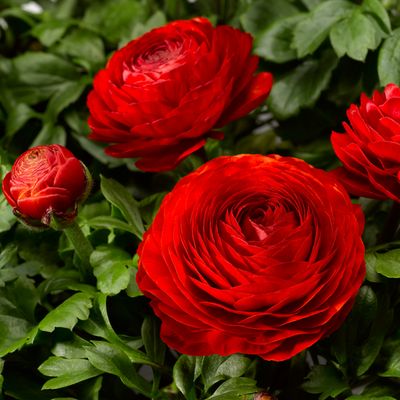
[(388, 264), (183, 374), (107, 19), (327, 380), (111, 268), (7, 218), (49, 32), (260, 14), (393, 365), (66, 315), (90, 390), (233, 388), (74, 348), (18, 117), (156, 20), (370, 261), (50, 134), (354, 36), (155, 348), (108, 222), (378, 11), (18, 301), (275, 43), (366, 397), (313, 30), (85, 47), (389, 60), (380, 326), (67, 94), (301, 86), (216, 368), (310, 4), (117, 195), (44, 69), (109, 358), (67, 372), (99, 325)]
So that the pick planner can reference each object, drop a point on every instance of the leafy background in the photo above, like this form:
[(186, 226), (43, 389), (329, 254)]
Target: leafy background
[(65, 338)]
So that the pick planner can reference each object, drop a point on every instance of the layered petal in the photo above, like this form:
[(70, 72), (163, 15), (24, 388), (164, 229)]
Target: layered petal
[(252, 254), (369, 147), (168, 89)]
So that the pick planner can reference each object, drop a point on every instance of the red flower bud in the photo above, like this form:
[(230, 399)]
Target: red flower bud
[(46, 181)]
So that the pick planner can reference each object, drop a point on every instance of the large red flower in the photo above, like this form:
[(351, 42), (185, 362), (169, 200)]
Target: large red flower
[(370, 147), (161, 96), (45, 181), (252, 254)]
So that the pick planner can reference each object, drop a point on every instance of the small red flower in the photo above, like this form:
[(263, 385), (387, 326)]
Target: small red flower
[(370, 147), (252, 254), (161, 96), (46, 181)]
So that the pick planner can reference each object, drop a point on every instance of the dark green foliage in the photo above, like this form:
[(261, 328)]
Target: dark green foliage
[(64, 338)]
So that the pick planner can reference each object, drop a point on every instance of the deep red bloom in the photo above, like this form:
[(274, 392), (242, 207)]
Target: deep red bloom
[(370, 147), (252, 254), (45, 180), (161, 96)]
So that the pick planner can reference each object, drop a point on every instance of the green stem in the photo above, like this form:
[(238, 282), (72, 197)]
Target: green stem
[(82, 247)]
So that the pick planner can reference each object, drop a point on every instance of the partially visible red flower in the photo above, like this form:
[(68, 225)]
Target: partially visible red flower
[(370, 147), (161, 96), (46, 181), (252, 254)]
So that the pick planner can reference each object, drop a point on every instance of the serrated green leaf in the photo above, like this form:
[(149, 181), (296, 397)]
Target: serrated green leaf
[(71, 349), (66, 315), (354, 36), (275, 43), (67, 372), (85, 47), (117, 195), (389, 60), (107, 19), (109, 358), (326, 380), (99, 325), (111, 268), (17, 303), (262, 13), (301, 86), (378, 11), (314, 29)]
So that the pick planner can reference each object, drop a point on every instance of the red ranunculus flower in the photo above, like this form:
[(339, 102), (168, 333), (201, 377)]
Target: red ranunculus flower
[(252, 254), (370, 148), (161, 96), (46, 181)]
